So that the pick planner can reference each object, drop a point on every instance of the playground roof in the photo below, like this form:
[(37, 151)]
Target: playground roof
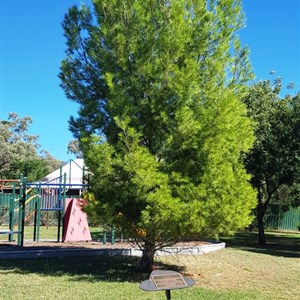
[(73, 170)]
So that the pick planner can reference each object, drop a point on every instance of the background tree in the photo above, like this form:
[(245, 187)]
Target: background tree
[(20, 152), (74, 148), (161, 123), (274, 159)]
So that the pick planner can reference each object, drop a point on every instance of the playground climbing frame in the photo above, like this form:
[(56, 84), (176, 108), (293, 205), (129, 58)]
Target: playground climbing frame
[(27, 201)]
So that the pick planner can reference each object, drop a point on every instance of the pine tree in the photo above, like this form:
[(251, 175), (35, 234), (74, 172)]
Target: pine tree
[(161, 121)]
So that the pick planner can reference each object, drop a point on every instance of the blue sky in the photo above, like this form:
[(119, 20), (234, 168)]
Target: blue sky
[(32, 46)]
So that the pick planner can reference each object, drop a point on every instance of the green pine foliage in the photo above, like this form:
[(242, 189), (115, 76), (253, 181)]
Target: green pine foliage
[(161, 121)]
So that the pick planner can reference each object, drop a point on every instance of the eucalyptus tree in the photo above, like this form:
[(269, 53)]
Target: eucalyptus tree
[(74, 148), (161, 122), (20, 151), (274, 159)]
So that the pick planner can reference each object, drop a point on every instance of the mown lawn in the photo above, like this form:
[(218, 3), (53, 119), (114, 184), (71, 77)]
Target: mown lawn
[(51, 233), (242, 271)]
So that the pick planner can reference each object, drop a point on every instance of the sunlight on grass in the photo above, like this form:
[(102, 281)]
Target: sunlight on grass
[(49, 232), (237, 272)]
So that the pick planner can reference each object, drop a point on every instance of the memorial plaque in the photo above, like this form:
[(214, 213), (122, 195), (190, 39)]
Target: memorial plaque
[(168, 281)]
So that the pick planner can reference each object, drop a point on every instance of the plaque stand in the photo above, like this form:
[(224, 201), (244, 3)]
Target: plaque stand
[(166, 280)]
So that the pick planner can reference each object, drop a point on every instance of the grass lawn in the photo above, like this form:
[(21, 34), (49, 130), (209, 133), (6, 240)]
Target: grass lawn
[(242, 271), (51, 233)]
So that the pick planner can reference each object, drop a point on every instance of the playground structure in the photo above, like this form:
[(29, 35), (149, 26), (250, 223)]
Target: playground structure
[(24, 200)]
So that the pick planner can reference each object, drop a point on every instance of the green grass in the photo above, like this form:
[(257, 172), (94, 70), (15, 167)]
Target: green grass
[(242, 271), (89, 278), (278, 243), (51, 232)]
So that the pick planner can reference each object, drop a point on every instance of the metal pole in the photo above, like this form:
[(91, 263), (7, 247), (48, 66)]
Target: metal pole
[(35, 207), (168, 294), (59, 205), (23, 200), (104, 234), (20, 210), (113, 235), (11, 212), (38, 212), (35, 220), (64, 206), (59, 221)]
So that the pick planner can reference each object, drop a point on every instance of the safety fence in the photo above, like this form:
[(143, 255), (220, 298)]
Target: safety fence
[(282, 218)]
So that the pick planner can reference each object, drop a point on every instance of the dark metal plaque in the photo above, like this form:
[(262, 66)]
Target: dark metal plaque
[(168, 281)]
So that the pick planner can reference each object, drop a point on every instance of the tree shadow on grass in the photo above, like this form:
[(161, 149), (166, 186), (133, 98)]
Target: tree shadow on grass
[(277, 244), (83, 268)]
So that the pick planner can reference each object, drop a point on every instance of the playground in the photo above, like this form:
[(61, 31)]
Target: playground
[(54, 202)]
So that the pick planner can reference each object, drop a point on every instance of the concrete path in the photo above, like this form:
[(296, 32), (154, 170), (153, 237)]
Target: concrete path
[(58, 251)]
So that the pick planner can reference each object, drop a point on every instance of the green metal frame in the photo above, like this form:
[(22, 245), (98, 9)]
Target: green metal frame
[(11, 212), (17, 202)]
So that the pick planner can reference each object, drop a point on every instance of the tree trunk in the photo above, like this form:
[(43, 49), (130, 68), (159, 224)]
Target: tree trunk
[(146, 262), (260, 224)]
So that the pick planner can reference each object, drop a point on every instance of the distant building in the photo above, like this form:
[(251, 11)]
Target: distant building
[(76, 177)]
